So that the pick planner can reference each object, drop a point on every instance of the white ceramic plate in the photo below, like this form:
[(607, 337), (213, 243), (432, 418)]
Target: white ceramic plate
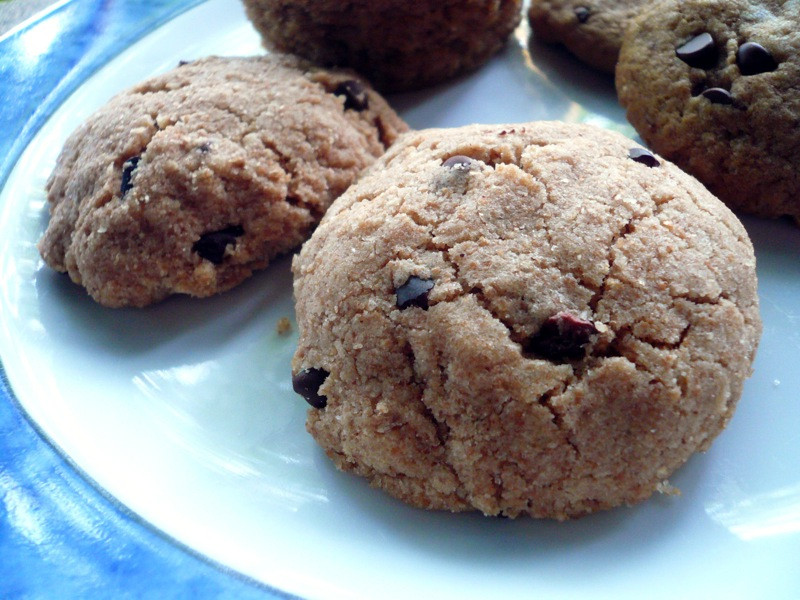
[(184, 411)]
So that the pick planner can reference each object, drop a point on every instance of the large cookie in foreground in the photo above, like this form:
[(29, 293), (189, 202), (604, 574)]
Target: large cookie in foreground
[(536, 319), (591, 30), (398, 45), (191, 180), (713, 86)]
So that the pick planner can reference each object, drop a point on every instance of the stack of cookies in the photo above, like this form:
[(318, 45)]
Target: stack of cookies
[(536, 319)]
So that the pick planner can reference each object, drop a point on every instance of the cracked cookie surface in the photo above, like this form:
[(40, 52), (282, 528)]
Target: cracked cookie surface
[(398, 45), (191, 180), (591, 30), (712, 85), (536, 319)]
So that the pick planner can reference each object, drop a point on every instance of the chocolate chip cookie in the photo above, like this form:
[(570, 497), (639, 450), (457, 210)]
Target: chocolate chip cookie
[(542, 319), (591, 30), (191, 180), (398, 45), (713, 86)]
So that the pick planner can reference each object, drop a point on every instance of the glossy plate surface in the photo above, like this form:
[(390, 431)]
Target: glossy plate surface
[(184, 413)]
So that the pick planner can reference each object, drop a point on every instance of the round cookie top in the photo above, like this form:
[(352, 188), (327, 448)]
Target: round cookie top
[(591, 30), (536, 318), (189, 181), (712, 85), (398, 45)]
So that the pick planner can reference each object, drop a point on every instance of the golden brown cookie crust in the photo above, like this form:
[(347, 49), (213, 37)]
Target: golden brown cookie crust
[(742, 140), (591, 30), (398, 45), (454, 403), (191, 180)]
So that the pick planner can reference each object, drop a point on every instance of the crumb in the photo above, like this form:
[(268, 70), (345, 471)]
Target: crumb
[(284, 326), (666, 488)]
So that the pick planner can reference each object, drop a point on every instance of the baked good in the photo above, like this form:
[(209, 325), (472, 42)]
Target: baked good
[(398, 45), (712, 86), (592, 30), (539, 318), (191, 180)]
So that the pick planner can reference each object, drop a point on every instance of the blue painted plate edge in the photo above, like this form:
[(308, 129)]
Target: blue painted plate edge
[(61, 535)]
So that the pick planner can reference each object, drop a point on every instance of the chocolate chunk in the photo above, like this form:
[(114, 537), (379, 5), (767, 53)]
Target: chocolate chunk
[(700, 52), (212, 245), (355, 95), (753, 59), (204, 147), (582, 13), (459, 161), (718, 96), (643, 156), (307, 383), (128, 167), (183, 63), (561, 337), (414, 292)]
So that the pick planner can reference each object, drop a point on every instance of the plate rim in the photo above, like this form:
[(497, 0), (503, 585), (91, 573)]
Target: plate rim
[(24, 441)]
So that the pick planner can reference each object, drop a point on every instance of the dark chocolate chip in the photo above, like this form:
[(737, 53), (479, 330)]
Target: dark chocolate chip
[(183, 63), (307, 383), (459, 161), (718, 96), (562, 337), (414, 292), (582, 13), (753, 59), (128, 167), (700, 52), (212, 245), (643, 156), (355, 95), (204, 147)]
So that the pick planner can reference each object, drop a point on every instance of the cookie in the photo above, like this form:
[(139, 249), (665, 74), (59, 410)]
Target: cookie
[(540, 319), (191, 180), (712, 86), (398, 45), (591, 30)]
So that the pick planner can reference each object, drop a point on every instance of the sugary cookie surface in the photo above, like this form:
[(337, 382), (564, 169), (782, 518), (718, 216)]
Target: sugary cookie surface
[(538, 318), (712, 86), (191, 180)]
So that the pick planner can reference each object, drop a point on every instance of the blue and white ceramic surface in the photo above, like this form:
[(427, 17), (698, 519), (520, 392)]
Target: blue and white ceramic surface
[(161, 452)]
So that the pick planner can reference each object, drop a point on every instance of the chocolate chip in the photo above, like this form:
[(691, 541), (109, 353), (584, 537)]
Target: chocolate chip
[(307, 383), (753, 59), (414, 292), (128, 167), (183, 63), (718, 96), (212, 245), (643, 156), (700, 52), (355, 95), (562, 337), (582, 13), (204, 147), (459, 161)]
